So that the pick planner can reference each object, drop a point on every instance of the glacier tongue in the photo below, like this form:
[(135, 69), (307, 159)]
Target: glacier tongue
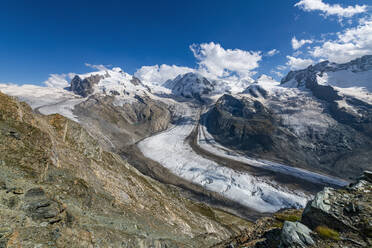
[(170, 149)]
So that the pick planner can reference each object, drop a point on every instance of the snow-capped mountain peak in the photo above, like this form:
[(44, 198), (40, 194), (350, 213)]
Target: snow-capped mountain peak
[(112, 82), (261, 86), (352, 79), (195, 85), (190, 85)]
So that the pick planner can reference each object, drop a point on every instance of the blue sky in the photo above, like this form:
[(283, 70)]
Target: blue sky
[(38, 38)]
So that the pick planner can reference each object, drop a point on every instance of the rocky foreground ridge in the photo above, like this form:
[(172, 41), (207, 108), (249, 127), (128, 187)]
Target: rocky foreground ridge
[(334, 218), (60, 188)]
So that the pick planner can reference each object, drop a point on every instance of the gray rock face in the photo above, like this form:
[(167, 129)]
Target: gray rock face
[(40, 207), (367, 175), (122, 125), (243, 123), (295, 235), (343, 210), (135, 81), (84, 87)]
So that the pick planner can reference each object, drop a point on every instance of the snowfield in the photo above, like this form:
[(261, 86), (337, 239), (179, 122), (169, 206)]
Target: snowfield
[(170, 149), (46, 100)]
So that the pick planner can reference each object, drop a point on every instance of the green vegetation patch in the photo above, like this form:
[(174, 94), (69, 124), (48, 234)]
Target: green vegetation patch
[(288, 216), (327, 233)]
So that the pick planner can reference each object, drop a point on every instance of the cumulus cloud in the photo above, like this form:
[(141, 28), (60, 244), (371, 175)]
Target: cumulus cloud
[(298, 63), (349, 44), (218, 62), (331, 9), (160, 74), (272, 52), (296, 44), (58, 80), (214, 62)]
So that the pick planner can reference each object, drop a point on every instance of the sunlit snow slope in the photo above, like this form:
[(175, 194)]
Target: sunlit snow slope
[(47, 100)]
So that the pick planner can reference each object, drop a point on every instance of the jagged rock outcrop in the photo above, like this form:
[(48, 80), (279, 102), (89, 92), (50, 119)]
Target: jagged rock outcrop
[(334, 218), (345, 210), (84, 87), (135, 81)]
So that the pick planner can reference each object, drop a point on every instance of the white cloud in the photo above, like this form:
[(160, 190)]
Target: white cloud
[(97, 67), (296, 44), (349, 44), (214, 62), (281, 67), (160, 74), (58, 80), (331, 9), (217, 62), (272, 52), (298, 63), (297, 53), (277, 73)]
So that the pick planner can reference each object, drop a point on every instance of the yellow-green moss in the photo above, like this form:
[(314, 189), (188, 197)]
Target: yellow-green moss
[(288, 216), (327, 233)]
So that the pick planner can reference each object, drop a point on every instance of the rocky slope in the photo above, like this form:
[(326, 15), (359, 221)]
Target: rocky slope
[(319, 118), (115, 107), (334, 218), (59, 187), (118, 123)]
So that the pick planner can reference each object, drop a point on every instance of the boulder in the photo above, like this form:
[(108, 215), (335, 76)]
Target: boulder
[(39, 207), (295, 235), (367, 175), (344, 210)]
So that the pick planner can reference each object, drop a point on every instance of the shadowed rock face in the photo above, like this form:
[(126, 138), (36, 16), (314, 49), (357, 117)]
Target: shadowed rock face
[(84, 87), (244, 124), (248, 125), (136, 81)]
